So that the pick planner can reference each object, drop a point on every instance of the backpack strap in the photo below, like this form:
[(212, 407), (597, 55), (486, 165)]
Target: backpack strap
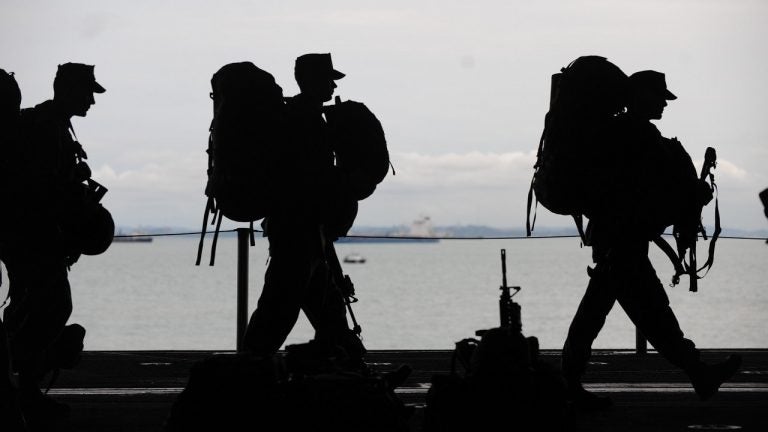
[(716, 234), (80, 153), (674, 258), (216, 214), (578, 219), (210, 205), (710, 162), (529, 224), (682, 242), (209, 208)]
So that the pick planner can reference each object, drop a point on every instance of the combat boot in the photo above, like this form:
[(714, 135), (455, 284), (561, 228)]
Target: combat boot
[(581, 398), (706, 379)]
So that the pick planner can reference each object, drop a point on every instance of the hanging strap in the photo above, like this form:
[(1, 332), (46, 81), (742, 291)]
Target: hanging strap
[(530, 224), (579, 221), (710, 162), (715, 235), (674, 258), (210, 205), (685, 244), (79, 151), (208, 208), (217, 216), (691, 267)]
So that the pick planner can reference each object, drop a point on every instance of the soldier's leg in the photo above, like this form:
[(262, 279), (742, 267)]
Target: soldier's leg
[(325, 305), (587, 323), (325, 302), (641, 294), (288, 274), (43, 308), (647, 304), (41, 313)]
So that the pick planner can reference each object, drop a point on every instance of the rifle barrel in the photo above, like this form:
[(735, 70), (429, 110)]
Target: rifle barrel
[(503, 267)]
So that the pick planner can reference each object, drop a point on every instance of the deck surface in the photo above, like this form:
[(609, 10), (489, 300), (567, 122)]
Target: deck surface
[(133, 390)]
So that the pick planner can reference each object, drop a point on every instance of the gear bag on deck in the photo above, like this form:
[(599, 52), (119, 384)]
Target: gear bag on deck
[(585, 96), (247, 127)]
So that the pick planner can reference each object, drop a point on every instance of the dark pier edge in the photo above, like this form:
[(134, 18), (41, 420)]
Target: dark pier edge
[(115, 390)]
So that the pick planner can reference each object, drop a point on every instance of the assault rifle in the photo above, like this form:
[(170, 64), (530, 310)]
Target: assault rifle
[(509, 311)]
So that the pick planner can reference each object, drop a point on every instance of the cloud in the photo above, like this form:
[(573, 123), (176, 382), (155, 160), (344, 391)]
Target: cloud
[(473, 187), (465, 170), (169, 174), (166, 191), (726, 169)]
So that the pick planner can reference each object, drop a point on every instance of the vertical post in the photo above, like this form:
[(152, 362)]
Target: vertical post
[(641, 345), (243, 236)]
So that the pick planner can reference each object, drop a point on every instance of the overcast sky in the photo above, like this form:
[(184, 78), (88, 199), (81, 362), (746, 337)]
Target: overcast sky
[(460, 87)]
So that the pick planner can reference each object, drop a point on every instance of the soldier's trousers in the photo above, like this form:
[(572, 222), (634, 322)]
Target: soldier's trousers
[(40, 305), (297, 278), (627, 276)]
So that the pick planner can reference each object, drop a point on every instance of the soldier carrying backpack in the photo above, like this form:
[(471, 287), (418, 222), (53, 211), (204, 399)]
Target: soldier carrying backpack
[(56, 216), (302, 168), (632, 185)]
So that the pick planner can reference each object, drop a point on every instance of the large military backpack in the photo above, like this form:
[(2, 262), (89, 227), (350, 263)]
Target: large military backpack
[(584, 98), (360, 149), (248, 114), (359, 145), (10, 100), (10, 95)]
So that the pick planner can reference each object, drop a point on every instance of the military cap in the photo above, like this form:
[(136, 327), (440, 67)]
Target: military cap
[(316, 65), (651, 81), (77, 74)]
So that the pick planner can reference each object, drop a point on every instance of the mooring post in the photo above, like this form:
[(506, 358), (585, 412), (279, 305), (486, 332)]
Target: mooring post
[(641, 345), (243, 237)]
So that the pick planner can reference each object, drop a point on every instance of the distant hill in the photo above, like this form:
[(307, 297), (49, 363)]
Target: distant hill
[(466, 231), (488, 231), (149, 229), (442, 231)]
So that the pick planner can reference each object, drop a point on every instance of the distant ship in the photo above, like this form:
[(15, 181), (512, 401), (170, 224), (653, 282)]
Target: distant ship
[(421, 231), (135, 237)]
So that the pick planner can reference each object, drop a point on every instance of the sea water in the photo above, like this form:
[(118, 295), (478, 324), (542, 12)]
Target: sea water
[(151, 296)]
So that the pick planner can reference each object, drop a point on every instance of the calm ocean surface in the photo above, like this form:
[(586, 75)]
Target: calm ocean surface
[(150, 296)]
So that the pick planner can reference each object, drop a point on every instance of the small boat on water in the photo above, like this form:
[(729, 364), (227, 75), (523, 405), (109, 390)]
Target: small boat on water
[(354, 258)]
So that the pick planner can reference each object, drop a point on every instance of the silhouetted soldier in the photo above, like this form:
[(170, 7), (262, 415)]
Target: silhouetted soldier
[(10, 101), (655, 184), (298, 276), (48, 175)]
